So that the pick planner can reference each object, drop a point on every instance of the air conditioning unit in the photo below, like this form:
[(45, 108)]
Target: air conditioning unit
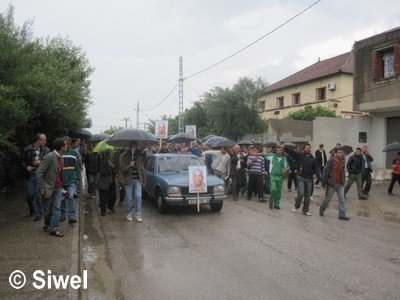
[(331, 86)]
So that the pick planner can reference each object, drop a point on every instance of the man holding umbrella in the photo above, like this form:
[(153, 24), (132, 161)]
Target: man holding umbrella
[(395, 173), (133, 177)]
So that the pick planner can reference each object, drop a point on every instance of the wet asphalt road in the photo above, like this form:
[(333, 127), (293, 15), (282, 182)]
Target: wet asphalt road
[(246, 251)]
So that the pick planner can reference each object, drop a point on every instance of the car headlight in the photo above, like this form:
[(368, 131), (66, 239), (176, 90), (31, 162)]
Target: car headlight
[(219, 190), (174, 191)]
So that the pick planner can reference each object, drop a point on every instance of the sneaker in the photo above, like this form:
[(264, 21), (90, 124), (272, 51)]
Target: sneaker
[(277, 207), (294, 209), (271, 205), (262, 200), (321, 213), (363, 197), (306, 213), (72, 221), (139, 219), (129, 217), (344, 218)]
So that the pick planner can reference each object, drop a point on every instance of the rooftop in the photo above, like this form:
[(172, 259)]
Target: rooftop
[(339, 64)]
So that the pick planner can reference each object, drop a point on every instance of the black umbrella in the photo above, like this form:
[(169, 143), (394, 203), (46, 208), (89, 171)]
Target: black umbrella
[(94, 139), (245, 143), (204, 139), (346, 149), (214, 140), (271, 143), (392, 146), (125, 137), (182, 138), (82, 133), (225, 143), (290, 145)]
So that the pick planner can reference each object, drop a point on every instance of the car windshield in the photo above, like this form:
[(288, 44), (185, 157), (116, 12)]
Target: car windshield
[(177, 163)]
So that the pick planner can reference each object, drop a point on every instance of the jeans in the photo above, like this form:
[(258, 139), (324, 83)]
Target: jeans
[(366, 179), (52, 209), (133, 190), (68, 203), (292, 177), (33, 198), (305, 189), (339, 190), (357, 178), (319, 174)]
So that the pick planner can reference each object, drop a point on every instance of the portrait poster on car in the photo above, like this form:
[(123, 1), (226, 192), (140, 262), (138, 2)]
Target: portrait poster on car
[(191, 129), (197, 179), (161, 129)]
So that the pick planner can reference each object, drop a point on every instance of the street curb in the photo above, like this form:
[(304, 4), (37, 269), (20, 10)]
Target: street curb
[(76, 251)]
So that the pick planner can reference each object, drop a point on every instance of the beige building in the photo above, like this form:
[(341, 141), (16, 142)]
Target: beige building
[(328, 83)]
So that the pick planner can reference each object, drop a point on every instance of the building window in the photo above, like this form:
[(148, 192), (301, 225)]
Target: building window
[(386, 62), (362, 137), (296, 99), (280, 102), (320, 94), (262, 105)]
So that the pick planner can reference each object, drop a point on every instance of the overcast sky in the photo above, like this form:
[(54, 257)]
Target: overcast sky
[(134, 46)]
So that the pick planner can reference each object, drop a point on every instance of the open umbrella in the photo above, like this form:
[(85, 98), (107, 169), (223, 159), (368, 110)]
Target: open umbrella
[(271, 143), (182, 138), (103, 146), (245, 143), (204, 139), (214, 140), (225, 143), (346, 149), (125, 137), (94, 139), (290, 145), (82, 133), (392, 146)]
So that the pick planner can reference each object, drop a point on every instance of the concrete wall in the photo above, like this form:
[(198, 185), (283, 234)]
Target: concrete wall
[(290, 130), (344, 91)]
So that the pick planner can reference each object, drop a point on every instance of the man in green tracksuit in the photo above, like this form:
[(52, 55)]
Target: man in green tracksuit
[(277, 167)]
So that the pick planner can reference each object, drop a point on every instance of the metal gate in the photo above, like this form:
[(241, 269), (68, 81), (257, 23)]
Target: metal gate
[(393, 134)]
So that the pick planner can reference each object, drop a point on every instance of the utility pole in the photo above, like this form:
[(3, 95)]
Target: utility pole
[(137, 116), (126, 119), (180, 94)]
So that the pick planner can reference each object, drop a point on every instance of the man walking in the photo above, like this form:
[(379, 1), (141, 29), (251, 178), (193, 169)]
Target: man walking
[(306, 172), (395, 173), (278, 166), (256, 169), (366, 170), (133, 177), (49, 177), (355, 167), (333, 180), (220, 164), (69, 180), (320, 156), (33, 156), (237, 171)]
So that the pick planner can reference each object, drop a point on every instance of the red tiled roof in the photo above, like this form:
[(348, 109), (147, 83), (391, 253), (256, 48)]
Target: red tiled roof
[(339, 64)]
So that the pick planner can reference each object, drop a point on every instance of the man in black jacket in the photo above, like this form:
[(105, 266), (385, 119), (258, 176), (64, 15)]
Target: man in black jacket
[(306, 172), (320, 156), (33, 156), (237, 170), (366, 170), (355, 167)]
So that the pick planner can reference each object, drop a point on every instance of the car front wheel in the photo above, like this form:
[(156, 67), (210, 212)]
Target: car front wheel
[(216, 206), (161, 205)]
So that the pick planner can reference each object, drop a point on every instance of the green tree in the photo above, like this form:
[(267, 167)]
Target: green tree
[(44, 87), (310, 113)]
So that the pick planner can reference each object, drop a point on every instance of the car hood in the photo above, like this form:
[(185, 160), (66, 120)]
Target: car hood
[(182, 179)]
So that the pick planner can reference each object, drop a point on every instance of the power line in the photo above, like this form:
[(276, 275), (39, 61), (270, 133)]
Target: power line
[(162, 99), (254, 42), (192, 88)]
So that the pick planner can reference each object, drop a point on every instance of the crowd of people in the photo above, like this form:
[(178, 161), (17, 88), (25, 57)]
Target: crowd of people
[(53, 178)]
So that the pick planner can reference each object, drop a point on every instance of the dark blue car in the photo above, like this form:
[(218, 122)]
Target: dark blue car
[(167, 181)]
